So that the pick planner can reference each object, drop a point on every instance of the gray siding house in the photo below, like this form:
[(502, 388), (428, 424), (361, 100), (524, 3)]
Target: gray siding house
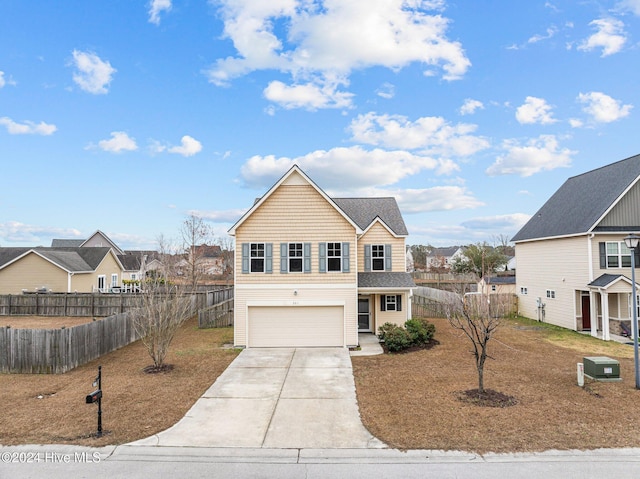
[(573, 264)]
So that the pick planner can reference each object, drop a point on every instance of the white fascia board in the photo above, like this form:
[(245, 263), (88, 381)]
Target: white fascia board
[(385, 226)]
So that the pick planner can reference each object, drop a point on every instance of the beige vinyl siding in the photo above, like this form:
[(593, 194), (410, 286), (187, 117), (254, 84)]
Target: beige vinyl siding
[(86, 283), (560, 265), (30, 273), (394, 317), (378, 234), (295, 213), (283, 295)]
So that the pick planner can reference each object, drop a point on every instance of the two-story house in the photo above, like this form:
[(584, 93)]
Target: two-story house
[(311, 270), (573, 264)]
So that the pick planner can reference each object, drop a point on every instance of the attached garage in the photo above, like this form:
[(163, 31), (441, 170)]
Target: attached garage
[(295, 326)]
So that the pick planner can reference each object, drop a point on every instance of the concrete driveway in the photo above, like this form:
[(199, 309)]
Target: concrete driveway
[(276, 398)]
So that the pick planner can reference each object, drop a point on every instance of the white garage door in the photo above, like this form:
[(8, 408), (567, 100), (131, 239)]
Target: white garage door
[(296, 326)]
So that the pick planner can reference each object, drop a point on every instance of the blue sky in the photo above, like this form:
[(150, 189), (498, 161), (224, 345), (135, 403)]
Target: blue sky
[(127, 116)]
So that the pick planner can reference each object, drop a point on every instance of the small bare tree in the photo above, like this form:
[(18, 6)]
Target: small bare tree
[(478, 316), (195, 235), (162, 308)]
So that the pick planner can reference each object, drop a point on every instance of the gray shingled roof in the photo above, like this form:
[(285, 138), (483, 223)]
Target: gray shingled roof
[(363, 211), (445, 252), (382, 279), (606, 279), (501, 280), (67, 243), (581, 201), (71, 259)]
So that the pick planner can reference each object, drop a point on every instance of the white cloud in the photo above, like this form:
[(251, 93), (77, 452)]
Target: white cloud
[(93, 75), (603, 108), (610, 36), (387, 91), (310, 96), (189, 146), (219, 216), (16, 232), (535, 110), (316, 42), (27, 127), (470, 106), (433, 135), (2, 80), (630, 5), (575, 123), (512, 222), (539, 154), (359, 168), (551, 31), (119, 142), (156, 7), (437, 198)]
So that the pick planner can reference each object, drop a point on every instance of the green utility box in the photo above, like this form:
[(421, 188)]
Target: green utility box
[(602, 368)]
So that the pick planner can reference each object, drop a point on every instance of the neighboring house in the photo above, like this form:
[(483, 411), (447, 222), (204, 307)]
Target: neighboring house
[(573, 264), (311, 270), (133, 262), (442, 258), (58, 269), (497, 285)]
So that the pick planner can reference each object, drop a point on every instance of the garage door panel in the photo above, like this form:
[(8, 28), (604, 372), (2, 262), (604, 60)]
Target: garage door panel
[(296, 326)]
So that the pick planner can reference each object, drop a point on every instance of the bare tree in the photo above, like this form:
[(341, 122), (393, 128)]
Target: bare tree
[(195, 234), (478, 316), (162, 308)]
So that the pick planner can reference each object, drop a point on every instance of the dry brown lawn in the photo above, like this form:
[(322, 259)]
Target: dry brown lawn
[(46, 409), (410, 401), (44, 322)]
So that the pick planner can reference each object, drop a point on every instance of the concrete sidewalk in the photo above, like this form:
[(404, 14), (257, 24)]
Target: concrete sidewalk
[(276, 398)]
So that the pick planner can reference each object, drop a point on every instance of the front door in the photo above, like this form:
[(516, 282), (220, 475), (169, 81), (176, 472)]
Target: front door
[(586, 313), (364, 315)]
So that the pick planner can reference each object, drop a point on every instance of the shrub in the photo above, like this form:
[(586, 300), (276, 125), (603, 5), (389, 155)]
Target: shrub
[(384, 329), (420, 330), (396, 339)]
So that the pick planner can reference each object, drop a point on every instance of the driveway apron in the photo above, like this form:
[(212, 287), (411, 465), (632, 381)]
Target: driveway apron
[(276, 398)]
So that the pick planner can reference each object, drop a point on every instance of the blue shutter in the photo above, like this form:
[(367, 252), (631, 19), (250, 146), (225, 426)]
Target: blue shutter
[(346, 267), (283, 257), (268, 259), (387, 258), (367, 257), (245, 257), (322, 257), (307, 258)]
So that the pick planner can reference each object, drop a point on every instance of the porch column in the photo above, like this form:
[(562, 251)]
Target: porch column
[(593, 305), (594, 321), (605, 314), (605, 321)]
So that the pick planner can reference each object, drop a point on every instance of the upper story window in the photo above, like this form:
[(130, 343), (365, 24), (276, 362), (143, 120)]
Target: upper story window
[(257, 257), (618, 255), (377, 257), (334, 256), (295, 257)]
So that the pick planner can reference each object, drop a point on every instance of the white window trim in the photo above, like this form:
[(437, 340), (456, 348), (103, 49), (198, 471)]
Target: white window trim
[(524, 290), (301, 257), (381, 248), (114, 280), (551, 294), (263, 257), (619, 255), (340, 257)]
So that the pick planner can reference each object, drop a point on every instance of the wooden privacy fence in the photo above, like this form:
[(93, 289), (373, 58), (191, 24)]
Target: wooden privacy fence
[(433, 307), (60, 350), (218, 316), (423, 307), (88, 304)]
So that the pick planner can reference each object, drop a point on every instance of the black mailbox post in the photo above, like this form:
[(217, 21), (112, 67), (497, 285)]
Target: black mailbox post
[(96, 397)]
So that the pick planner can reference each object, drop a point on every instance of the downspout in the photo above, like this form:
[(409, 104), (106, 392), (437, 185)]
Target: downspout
[(69, 275), (590, 253)]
